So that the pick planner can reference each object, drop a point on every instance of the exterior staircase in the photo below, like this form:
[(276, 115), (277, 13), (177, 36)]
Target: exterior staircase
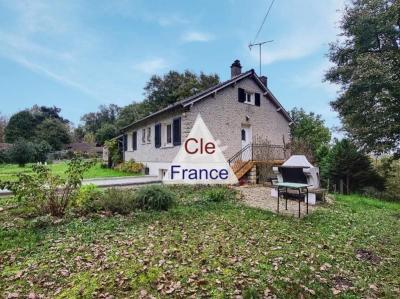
[(252, 154)]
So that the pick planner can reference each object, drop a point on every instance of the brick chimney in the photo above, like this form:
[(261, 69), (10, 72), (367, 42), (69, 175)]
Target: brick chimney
[(264, 80), (236, 68)]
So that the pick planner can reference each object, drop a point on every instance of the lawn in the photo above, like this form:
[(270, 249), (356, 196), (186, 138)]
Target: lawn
[(9, 171), (349, 249)]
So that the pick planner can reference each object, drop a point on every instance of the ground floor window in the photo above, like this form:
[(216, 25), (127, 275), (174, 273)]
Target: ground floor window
[(169, 133)]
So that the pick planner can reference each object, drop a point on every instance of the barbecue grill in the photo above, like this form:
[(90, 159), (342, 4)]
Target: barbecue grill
[(297, 169)]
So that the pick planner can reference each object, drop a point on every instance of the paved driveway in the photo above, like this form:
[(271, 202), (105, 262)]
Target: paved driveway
[(122, 181), (112, 182)]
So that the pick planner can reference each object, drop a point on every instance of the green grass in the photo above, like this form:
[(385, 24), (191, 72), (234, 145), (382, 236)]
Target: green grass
[(208, 249), (9, 171)]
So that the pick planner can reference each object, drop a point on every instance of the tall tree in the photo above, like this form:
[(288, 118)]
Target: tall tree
[(345, 162), (310, 128), (163, 91), (106, 132), (174, 86), (43, 112), (95, 120), (367, 66), (54, 132), (130, 114), (20, 125)]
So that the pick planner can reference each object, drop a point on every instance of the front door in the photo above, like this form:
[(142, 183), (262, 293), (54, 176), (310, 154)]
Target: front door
[(246, 136)]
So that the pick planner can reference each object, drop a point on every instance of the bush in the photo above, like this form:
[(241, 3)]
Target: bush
[(121, 201), (218, 194), (87, 198), (48, 193), (115, 155), (4, 156), (154, 198), (41, 151), (130, 167), (22, 152)]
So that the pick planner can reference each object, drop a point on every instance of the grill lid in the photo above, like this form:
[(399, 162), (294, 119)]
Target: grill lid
[(297, 161)]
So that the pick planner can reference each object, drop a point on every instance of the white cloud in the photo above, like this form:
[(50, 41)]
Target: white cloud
[(151, 66), (196, 36), (171, 20)]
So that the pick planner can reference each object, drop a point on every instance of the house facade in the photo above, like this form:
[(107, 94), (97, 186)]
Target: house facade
[(237, 112)]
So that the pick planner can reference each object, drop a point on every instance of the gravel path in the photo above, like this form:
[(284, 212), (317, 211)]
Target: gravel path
[(260, 197)]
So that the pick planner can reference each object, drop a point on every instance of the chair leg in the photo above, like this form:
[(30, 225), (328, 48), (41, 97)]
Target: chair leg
[(279, 194), (286, 198), (307, 198)]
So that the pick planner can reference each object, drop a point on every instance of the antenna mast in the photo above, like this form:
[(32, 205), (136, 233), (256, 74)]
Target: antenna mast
[(259, 45)]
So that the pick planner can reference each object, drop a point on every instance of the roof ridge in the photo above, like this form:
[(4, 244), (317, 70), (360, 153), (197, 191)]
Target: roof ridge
[(188, 99)]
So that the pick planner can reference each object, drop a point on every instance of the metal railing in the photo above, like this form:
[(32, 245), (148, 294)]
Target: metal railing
[(256, 152)]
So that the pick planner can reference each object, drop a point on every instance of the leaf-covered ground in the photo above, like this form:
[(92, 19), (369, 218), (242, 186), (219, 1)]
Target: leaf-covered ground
[(349, 249)]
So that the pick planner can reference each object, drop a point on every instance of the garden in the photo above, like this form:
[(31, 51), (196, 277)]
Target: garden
[(204, 245), (180, 241)]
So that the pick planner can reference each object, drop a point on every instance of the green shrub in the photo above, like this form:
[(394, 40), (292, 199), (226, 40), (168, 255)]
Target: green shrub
[(87, 198), (22, 152), (130, 167), (4, 156), (113, 151), (154, 198), (121, 201), (48, 193), (42, 149), (218, 194)]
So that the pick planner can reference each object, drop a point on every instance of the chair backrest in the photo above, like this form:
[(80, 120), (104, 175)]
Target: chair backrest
[(293, 175)]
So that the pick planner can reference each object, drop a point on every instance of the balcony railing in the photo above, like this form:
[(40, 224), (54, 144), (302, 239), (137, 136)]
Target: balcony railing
[(258, 153)]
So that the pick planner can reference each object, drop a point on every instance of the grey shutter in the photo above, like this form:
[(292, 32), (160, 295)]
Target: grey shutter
[(257, 99), (241, 95), (176, 129), (134, 141), (157, 135)]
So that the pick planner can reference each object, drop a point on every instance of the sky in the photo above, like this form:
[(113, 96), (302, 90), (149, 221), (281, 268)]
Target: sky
[(78, 55)]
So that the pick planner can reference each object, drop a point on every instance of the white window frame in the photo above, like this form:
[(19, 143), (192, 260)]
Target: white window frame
[(170, 134), (250, 98), (143, 135), (164, 134), (148, 135)]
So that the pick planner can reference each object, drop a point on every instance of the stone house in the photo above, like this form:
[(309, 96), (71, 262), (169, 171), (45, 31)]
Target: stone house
[(237, 112)]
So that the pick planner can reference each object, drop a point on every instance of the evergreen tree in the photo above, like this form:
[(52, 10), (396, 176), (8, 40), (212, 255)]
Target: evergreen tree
[(345, 162)]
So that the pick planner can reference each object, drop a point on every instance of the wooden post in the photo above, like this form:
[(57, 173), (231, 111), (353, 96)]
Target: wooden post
[(341, 186)]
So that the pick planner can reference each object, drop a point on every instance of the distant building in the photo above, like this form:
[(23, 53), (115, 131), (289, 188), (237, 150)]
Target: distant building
[(85, 148)]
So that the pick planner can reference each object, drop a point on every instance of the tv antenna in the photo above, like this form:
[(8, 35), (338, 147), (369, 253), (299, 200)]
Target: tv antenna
[(259, 46)]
